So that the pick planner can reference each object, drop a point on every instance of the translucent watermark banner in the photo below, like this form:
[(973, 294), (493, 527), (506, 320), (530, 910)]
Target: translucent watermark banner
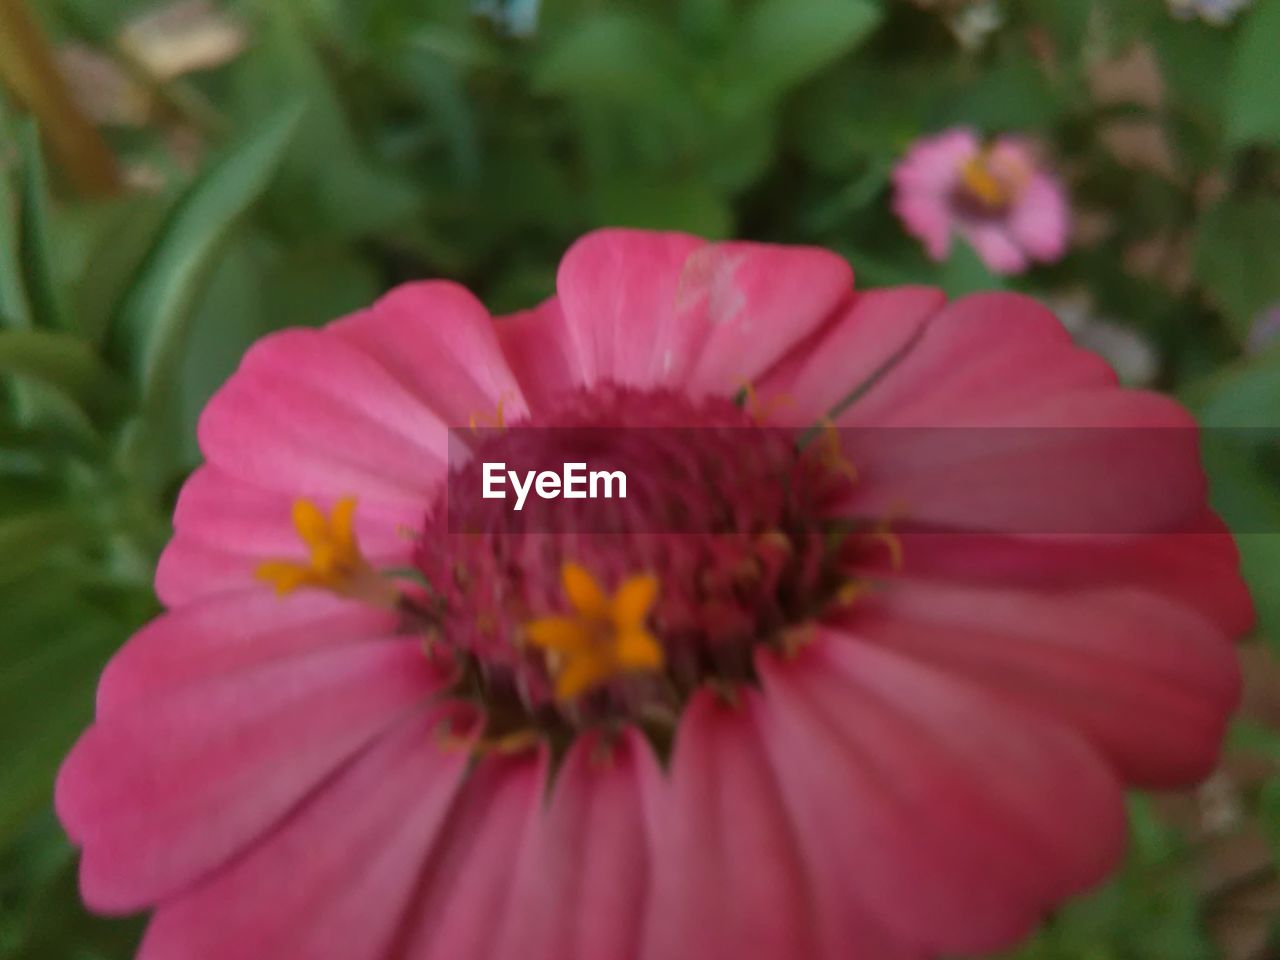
[(1018, 481)]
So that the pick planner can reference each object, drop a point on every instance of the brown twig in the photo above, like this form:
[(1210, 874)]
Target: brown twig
[(29, 71)]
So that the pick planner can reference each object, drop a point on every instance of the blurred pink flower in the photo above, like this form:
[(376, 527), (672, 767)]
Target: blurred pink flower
[(750, 741), (995, 196)]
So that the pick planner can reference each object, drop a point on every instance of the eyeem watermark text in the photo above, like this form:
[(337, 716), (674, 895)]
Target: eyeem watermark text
[(573, 482)]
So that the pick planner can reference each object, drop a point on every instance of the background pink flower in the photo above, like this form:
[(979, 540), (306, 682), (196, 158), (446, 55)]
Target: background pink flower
[(996, 196), (908, 743)]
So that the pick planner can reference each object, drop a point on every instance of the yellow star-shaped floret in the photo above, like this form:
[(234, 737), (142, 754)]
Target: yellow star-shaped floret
[(603, 637), (335, 562)]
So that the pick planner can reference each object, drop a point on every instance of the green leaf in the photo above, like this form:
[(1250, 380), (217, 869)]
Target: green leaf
[(1243, 396), (37, 249), (1253, 109), (1245, 496), (463, 47), (62, 361), (15, 308), (150, 328), (1269, 815), (689, 205), (1237, 258), (786, 41), (328, 185), (101, 247), (612, 57), (964, 272), (1248, 737), (47, 699), (27, 534), (1014, 95)]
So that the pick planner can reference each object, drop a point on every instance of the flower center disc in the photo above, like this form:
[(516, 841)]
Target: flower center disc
[(989, 185), (723, 513)]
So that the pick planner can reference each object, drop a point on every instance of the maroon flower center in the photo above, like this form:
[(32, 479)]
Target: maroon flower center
[(724, 513), (988, 186)]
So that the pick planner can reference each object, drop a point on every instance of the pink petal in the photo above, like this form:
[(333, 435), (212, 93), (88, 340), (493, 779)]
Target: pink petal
[(335, 879), (226, 527), (619, 290), (1040, 222), (189, 571), (928, 217), (982, 356), (216, 509), (538, 349), (230, 634), (933, 164), (650, 309), (1198, 566), (995, 245), (439, 342), (583, 877), (923, 182), (957, 819), (846, 354), (308, 415), (729, 879), (750, 304), (1150, 683), (1094, 462), (466, 886), (160, 792)]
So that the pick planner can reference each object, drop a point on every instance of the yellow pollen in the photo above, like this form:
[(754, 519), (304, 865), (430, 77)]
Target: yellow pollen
[(832, 454), (994, 184), (850, 592), (496, 420), (507, 744), (761, 410), (892, 542), (603, 637), (335, 562)]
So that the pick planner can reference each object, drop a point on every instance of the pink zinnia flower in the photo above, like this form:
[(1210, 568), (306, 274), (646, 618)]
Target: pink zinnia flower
[(996, 196), (747, 741)]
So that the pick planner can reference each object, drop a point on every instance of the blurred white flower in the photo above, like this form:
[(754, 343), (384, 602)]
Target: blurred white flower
[(1130, 354), (974, 22), (182, 38), (1217, 12), (517, 18)]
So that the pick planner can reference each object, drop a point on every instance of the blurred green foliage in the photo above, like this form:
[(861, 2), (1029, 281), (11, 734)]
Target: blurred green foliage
[(351, 145)]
